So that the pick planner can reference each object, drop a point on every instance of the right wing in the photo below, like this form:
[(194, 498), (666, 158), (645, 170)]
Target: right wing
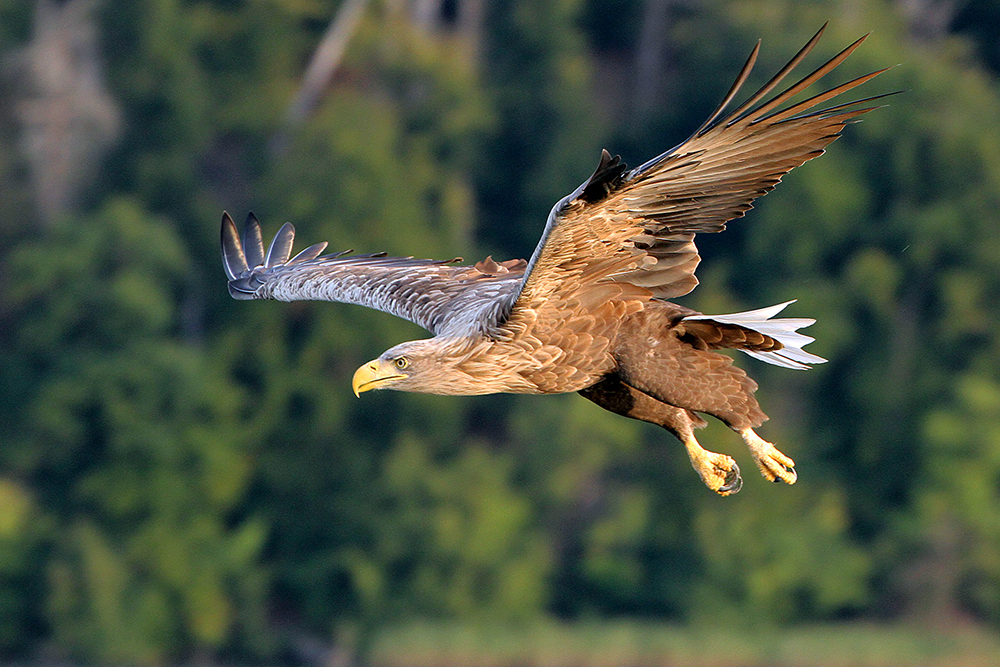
[(436, 295)]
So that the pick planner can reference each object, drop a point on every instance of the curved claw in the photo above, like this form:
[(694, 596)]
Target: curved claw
[(785, 474), (718, 471), (733, 482)]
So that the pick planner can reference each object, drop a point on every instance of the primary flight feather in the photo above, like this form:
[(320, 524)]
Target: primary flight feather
[(589, 311)]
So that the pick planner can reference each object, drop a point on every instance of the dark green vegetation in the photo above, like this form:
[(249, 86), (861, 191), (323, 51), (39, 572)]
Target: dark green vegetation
[(614, 643), (186, 477)]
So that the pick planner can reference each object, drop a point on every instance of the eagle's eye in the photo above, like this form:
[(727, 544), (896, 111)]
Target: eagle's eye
[(402, 362)]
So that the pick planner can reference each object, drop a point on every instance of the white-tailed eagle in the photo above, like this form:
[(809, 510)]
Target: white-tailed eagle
[(589, 312)]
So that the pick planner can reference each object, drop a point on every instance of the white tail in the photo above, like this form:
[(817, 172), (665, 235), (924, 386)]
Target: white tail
[(783, 330)]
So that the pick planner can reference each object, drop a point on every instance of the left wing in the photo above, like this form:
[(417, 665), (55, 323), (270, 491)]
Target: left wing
[(636, 228), (439, 296), (715, 175)]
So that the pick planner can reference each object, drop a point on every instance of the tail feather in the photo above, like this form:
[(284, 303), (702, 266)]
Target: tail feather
[(783, 330)]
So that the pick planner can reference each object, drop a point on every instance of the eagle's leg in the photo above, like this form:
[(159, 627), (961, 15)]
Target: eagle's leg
[(660, 358), (773, 465), (718, 471)]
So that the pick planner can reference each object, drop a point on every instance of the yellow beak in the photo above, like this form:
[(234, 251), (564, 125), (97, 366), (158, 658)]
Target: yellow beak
[(373, 375)]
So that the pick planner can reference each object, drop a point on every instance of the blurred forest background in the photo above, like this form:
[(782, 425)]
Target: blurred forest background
[(186, 478)]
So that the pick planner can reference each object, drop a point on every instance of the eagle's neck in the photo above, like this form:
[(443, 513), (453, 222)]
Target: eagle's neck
[(472, 366)]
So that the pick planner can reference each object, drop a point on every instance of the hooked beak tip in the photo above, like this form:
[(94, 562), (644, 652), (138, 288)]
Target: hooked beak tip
[(369, 376)]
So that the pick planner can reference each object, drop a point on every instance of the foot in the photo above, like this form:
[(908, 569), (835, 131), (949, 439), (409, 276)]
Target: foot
[(773, 465), (718, 471)]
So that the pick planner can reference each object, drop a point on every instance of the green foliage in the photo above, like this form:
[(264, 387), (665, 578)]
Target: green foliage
[(23, 532), (636, 642), (136, 440), (775, 578), (539, 75), (480, 554), (187, 477)]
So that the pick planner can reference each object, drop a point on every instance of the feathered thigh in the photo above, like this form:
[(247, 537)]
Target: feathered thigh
[(659, 357)]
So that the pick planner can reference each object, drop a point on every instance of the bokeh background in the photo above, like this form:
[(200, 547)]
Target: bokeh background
[(189, 479)]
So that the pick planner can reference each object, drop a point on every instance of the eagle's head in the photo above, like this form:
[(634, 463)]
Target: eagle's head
[(393, 369), (425, 366)]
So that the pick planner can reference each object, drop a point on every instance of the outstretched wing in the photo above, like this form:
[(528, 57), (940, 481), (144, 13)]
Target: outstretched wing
[(437, 295), (637, 227)]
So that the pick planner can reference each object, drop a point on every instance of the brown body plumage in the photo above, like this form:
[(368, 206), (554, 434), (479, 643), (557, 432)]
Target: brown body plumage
[(589, 311)]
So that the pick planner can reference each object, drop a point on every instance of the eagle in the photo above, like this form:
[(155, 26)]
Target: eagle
[(590, 311)]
